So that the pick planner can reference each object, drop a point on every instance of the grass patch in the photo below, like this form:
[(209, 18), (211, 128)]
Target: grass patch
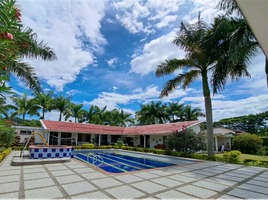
[(244, 156)]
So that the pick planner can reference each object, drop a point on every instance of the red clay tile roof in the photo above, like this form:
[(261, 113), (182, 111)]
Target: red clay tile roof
[(92, 128)]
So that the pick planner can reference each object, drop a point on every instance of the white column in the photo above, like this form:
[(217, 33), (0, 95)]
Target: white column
[(216, 143), (48, 134), (144, 145), (99, 139), (59, 138)]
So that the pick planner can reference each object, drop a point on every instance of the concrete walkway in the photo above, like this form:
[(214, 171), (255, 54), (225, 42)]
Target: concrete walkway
[(208, 180)]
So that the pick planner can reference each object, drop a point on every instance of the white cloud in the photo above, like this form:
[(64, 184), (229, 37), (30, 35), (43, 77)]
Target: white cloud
[(155, 52), (73, 91), (65, 26), (115, 88), (137, 90), (112, 100), (166, 20), (112, 62), (109, 21)]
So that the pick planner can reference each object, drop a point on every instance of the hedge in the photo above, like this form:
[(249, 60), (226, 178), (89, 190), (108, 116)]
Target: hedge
[(89, 144), (5, 153), (265, 141)]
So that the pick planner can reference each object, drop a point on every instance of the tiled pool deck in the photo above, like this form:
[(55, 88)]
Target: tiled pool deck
[(207, 180)]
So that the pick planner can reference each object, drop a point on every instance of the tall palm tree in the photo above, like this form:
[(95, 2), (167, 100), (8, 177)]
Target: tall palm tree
[(118, 118), (124, 118), (243, 31), (100, 115), (90, 115), (75, 111), (191, 114), (175, 109), (24, 106), (154, 113), (4, 110), (45, 101), (202, 57), (62, 104)]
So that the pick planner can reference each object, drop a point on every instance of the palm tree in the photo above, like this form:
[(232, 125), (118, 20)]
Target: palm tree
[(118, 118), (124, 118), (45, 101), (75, 111), (90, 115), (24, 45), (62, 104), (154, 113), (242, 31), (24, 106), (4, 110), (192, 114), (202, 56), (100, 115), (175, 109)]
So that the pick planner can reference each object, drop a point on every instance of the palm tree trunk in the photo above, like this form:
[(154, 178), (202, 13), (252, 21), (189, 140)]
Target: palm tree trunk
[(208, 107), (23, 117), (60, 117), (43, 113), (75, 119), (266, 70)]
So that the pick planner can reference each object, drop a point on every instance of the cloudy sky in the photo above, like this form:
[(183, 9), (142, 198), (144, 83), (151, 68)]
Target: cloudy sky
[(108, 52)]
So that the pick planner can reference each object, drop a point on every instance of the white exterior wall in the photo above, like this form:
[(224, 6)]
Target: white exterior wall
[(154, 140), (196, 128), (38, 139)]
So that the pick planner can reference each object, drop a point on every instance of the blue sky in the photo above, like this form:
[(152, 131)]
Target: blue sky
[(108, 52)]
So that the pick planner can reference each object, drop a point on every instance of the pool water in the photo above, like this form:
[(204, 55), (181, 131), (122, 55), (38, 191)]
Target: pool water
[(122, 162)]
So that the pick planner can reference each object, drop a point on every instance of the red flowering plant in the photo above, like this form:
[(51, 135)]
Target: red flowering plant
[(187, 141)]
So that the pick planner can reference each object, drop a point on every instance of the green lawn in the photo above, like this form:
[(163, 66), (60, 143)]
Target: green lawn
[(244, 156)]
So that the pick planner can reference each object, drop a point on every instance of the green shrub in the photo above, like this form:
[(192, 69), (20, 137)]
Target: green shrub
[(89, 144), (102, 147), (140, 149), (77, 147), (108, 147), (173, 153), (246, 161), (187, 141), (265, 141), (124, 147), (150, 150), (145, 150), (89, 147), (115, 147), (264, 163), (159, 151), (263, 151), (119, 142), (168, 152), (16, 148), (234, 154), (131, 148), (247, 143)]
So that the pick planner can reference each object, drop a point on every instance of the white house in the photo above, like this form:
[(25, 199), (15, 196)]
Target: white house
[(68, 133)]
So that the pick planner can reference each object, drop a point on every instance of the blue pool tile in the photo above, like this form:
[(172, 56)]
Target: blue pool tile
[(45, 150), (57, 155), (40, 155), (53, 150), (61, 150), (36, 150), (64, 154), (49, 155)]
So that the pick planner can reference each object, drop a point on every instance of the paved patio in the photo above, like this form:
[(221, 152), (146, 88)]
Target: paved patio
[(74, 180)]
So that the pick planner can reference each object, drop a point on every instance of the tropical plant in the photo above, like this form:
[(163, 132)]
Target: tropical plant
[(62, 104), (45, 101), (175, 111), (191, 114), (24, 106), (116, 117), (100, 115), (247, 143), (7, 137), (152, 113), (75, 111), (16, 42), (186, 141), (89, 115), (243, 33), (205, 53)]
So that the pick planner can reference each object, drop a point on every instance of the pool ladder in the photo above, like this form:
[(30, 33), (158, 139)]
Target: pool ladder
[(95, 159)]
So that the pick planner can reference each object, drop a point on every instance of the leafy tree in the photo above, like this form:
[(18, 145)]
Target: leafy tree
[(243, 34), (4, 110), (192, 114), (175, 110), (205, 52), (62, 104), (7, 137), (75, 111), (186, 141), (45, 101), (154, 113), (118, 118), (16, 42), (100, 115), (90, 115), (247, 143), (24, 106)]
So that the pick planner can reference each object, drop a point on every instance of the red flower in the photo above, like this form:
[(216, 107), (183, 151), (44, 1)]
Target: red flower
[(10, 36)]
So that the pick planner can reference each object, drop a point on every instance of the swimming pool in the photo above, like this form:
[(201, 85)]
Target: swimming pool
[(114, 161)]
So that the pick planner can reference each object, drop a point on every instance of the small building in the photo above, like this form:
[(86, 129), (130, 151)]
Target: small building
[(69, 133), (224, 135)]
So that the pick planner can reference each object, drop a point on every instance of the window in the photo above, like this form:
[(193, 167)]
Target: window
[(25, 132)]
